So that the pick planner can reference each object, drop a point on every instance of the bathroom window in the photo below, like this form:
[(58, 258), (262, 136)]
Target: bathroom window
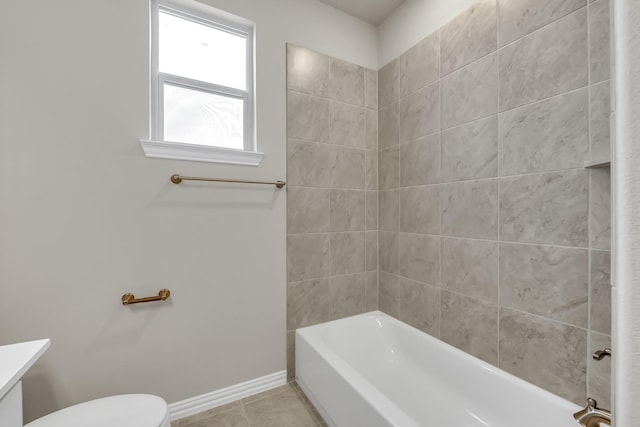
[(201, 85)]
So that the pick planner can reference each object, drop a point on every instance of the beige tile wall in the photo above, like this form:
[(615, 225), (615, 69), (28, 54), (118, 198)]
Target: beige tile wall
[(454, 178), (332, 198), (493, 237)]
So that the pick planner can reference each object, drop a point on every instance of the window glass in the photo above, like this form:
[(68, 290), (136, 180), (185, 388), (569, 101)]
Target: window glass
[(199, 117), (201, 52)]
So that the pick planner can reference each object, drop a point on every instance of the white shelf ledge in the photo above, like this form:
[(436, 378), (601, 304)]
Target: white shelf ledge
[(199, 153), (593, 164)]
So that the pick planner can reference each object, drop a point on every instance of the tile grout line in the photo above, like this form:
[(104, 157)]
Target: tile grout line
[(399, 289), (377, 154), (590, 195), (244, 413), (440, 193), (447, 236), (464, 181), (498, 168)]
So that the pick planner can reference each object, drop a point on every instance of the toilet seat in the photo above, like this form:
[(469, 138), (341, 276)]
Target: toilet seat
[(127, 410)]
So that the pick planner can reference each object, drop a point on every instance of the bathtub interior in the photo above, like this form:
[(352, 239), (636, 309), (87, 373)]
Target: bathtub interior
[(398, 369)]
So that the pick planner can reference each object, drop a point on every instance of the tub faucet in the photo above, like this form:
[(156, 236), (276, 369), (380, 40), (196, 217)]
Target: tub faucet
[(592, 416), (600, 354)]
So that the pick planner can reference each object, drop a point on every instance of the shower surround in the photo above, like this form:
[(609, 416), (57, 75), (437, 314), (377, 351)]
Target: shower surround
[(332, 199), (492, 235)]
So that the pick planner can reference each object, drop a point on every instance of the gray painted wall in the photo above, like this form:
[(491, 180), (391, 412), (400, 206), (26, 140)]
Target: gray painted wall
[(85, 217)]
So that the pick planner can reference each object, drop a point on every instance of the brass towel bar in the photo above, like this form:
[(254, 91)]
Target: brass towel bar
[(129, 298), (177, 179)]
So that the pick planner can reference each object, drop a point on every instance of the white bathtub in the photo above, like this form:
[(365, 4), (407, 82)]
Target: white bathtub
[(372, 370)]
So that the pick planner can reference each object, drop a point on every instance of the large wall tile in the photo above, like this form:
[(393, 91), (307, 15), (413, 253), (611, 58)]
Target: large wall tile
[(420, 113), (310, 164), (470, 267), (601, 291), (308, 210), (470, 93), (546, 63), (350, 294), (469, 36), (600, 372), (308, 256), (371, 210), (517, 18), (347, 210), (371, 129), (389, 296), (371, 251), (544, 352), (600, 209), (346, 82), (389, 211), (548, 135), (420, 65), (350, 168), (309, 302), (371, 89), (599, 40), (388, 251), (470, 325), (420, 209), (371, 291), (371, 169), (420, 161), (388, 168), (307, 117), (420, 306), (419, 257), (347, 253), (347, 125), (545, 208), (470, 209), (545, 280), (388, 122), (470, 151), (389, 83), (307, 71), (600, 121)]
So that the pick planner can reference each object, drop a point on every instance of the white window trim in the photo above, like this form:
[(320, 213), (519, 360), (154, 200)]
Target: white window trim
[(156, 146)]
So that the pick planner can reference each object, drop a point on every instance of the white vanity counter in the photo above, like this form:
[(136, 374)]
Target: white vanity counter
[(15, 360)]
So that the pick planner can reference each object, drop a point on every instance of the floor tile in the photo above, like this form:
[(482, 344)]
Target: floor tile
[(280, 410)]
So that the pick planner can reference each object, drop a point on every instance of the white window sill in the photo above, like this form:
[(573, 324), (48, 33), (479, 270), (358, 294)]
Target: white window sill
[(199, 153)]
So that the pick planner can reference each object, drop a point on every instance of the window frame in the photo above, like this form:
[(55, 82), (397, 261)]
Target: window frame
[(157, 146)]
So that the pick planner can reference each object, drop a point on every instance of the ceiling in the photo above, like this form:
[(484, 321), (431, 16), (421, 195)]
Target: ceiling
[(371, 11)]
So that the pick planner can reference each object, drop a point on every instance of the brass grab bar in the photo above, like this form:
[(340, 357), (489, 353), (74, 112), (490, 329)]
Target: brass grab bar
[(177, 179), (129, 298)]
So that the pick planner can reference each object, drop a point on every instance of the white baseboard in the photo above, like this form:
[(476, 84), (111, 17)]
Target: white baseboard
[(216, 398)]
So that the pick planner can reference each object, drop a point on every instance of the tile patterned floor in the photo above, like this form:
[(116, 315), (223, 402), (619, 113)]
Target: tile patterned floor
[(285, 406)]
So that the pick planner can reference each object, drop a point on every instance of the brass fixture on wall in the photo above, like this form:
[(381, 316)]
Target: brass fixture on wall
[(129, 298), (177, 179)]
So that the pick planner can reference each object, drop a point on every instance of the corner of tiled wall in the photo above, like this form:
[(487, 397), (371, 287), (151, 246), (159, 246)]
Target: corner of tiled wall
[(332, 198), (493, 236)]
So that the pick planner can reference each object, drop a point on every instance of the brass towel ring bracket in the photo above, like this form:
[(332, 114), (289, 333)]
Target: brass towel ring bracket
[(129, 298), (177, 179)]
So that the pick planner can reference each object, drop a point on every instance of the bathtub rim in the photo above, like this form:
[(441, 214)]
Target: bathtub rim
[(362, 386)]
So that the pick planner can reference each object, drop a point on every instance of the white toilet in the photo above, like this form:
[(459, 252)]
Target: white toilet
[(127, 410)]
